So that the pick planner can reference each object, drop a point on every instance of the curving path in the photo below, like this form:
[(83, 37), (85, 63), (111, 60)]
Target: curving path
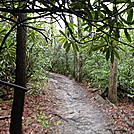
[(78, 114)]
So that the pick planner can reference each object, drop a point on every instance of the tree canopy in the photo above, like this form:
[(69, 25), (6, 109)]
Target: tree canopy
[(109, 18)]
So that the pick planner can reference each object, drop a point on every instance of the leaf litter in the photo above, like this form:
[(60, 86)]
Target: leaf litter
[(39, 116), (121, 116)]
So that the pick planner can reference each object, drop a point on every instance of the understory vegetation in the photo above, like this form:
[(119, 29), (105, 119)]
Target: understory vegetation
[(52, 56)]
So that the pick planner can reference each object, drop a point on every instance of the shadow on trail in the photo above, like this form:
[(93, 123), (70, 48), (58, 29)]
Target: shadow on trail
[(77, 113)]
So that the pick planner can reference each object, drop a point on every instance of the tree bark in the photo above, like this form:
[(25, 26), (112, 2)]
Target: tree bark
[(112, 93), (19, 95)]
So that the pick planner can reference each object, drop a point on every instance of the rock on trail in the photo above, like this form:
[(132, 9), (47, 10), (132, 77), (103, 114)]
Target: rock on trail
[(78, 114)]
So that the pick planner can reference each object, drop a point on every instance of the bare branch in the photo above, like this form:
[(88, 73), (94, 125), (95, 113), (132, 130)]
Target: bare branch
[(13, 85)]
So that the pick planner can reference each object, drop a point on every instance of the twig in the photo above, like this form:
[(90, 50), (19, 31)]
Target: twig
[(55, 114)]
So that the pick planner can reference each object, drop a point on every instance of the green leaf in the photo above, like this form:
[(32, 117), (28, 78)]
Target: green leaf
[(112, 56), (132, 50), (84, 24), (89, 28), (111, 22), (75, 46), (86, 28), (130, 15), (89, 13), (107, 54), (116, 54), (106, 9), (4, 30), (125, 21), (101, 28), (104, 50), (117, 33), (97, 47), (65, 44), (101, 15), (89, 52), (21, 4), (68, 48), (67, 32), (71, 26), (62, 33), (62, 40), (84, 47), (127, 35), (132, 22), (96, 15)]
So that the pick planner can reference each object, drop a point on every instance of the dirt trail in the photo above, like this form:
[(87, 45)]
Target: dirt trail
[(78, 114)]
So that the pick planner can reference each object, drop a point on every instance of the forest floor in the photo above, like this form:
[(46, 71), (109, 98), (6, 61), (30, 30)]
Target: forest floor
[(65, 107)]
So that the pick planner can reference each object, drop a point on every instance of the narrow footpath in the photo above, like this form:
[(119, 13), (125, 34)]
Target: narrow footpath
[(78, 114)]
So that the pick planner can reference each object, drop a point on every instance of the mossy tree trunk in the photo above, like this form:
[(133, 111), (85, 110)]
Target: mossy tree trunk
[(112, 93)]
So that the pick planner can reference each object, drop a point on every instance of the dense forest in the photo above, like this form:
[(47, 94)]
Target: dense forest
[(90, 41)]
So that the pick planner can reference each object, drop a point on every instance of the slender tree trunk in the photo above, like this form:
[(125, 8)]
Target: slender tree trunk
[(75, 65), (80, 53), (52, 33), (80, 67), (75, 55), (112, 93), (67, 64), (19, 95)]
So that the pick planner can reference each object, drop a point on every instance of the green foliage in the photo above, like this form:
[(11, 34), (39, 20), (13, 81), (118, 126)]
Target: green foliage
[(67, 40), (126, 73), (127, 35), (7, 60), (36, 87), (35, 56), (43, 119), (96, 72), (130, 16), (7, 55)]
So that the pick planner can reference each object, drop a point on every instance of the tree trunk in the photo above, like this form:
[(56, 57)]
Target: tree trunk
[(19, 95), (51, 32), (112, 93), (75, 65), (67, 64), (80, 67), (75, 55), (80, 53)]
